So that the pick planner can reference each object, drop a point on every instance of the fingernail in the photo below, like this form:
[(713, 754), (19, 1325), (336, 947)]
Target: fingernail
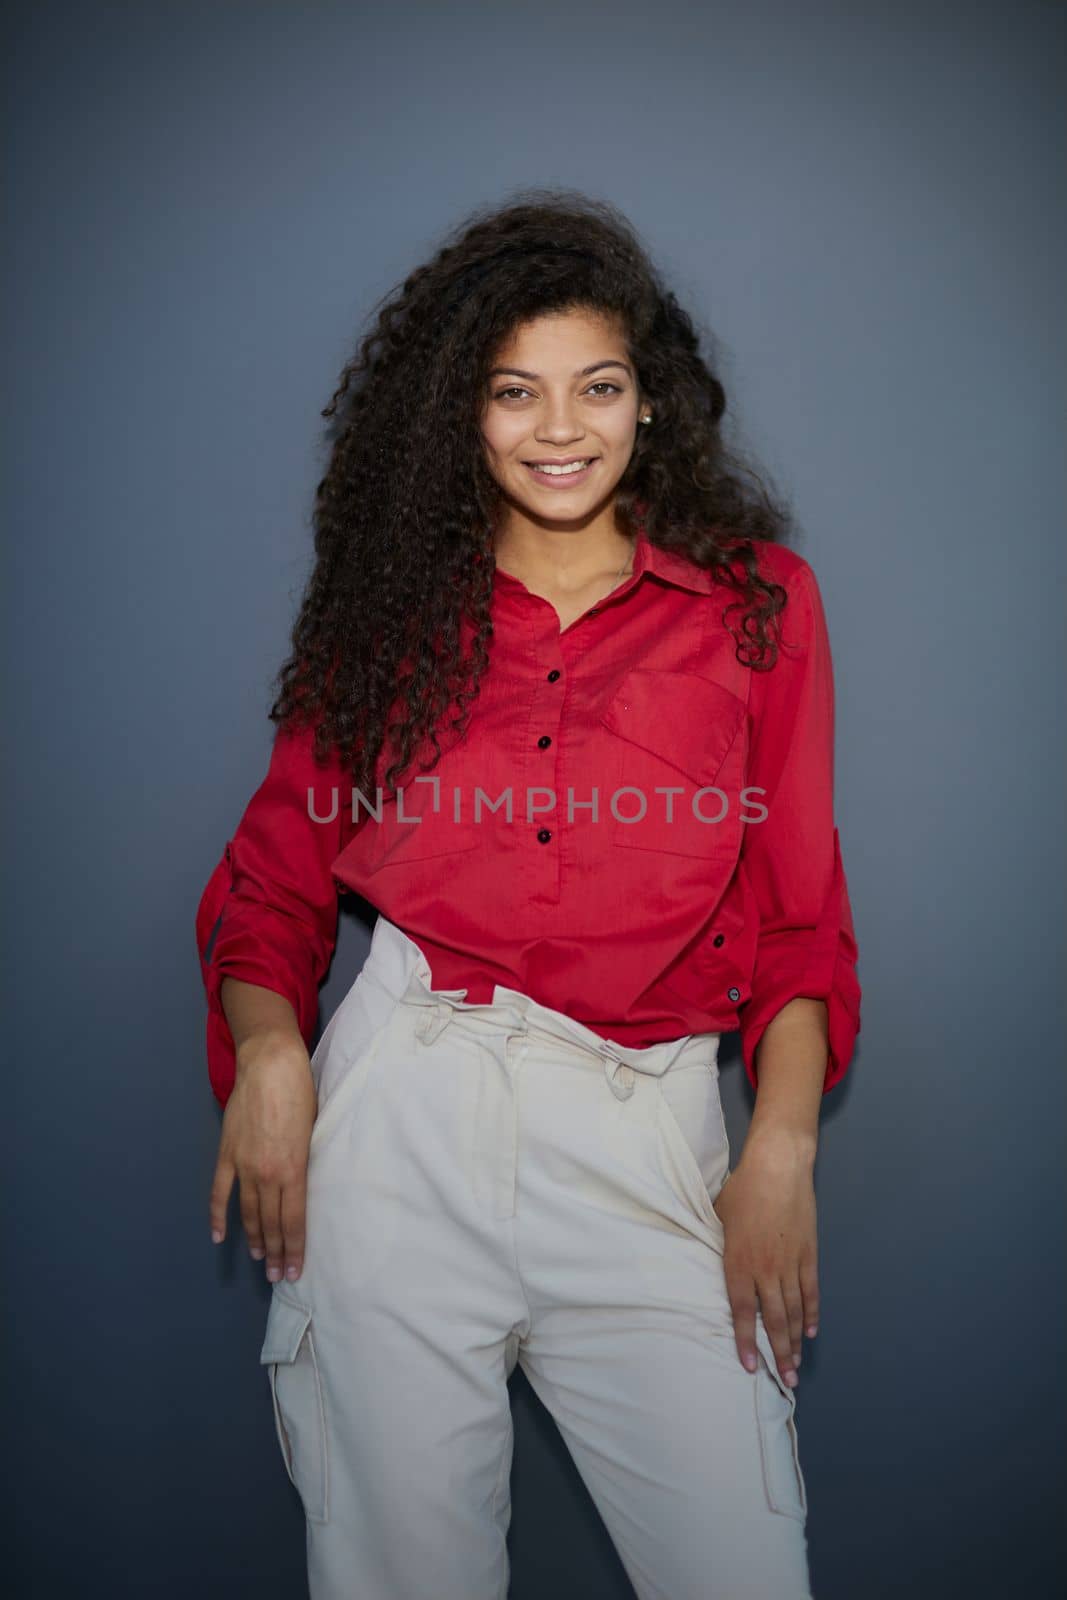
[(749, 1361), (257, 1255), (796, 1358), (216, 1236), (812, 1330), (791, 1379), (291, 1272), (274, 1273)]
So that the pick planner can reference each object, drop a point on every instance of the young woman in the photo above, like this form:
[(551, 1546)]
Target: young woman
[(560, 706)]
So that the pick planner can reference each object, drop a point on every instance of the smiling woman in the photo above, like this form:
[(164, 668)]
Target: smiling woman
[(563, 430), (553, 470), (570, 434), (538, 573)]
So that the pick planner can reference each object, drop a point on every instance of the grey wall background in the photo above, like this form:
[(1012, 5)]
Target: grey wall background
[(865, 203)]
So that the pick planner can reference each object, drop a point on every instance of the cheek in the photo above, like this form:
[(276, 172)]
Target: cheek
[(619, 434), (495, 458), (499, 442)]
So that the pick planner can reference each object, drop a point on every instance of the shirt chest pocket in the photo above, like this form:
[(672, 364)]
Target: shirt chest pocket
[(419, 823), (675, 765)]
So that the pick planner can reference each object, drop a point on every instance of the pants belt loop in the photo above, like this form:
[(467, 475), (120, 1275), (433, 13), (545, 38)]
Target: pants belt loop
[(619, 1074), (438, 1016), (516, 1044)]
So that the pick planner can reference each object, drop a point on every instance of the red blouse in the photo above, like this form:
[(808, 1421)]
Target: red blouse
[(635, 829)]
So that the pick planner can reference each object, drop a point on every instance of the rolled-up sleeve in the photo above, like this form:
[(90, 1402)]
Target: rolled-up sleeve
[(806, 943), (271, 901)]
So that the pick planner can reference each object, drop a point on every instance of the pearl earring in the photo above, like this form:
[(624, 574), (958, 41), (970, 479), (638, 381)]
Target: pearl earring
[(646, 419)]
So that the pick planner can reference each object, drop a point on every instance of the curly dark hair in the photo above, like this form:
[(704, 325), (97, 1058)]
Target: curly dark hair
[(404, 517)]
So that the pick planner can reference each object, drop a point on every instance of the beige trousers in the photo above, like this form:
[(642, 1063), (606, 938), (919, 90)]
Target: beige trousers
[(497, 1184)]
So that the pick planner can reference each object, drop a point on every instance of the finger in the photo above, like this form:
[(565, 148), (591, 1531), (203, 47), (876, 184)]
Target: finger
[(250, 1218), (794, 1311), (219, 1201), (741, 1290), (809, 1289), (776, 1323), (270, 1209), (294, 1210)]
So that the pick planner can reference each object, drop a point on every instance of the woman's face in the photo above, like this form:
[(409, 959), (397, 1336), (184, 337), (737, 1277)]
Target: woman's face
[(561, 389)]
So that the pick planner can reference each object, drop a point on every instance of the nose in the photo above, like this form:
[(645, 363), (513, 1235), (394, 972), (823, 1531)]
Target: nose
[(559, 423)]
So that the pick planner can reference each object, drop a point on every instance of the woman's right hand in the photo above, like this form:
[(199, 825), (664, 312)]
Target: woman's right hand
[(266, 1135)]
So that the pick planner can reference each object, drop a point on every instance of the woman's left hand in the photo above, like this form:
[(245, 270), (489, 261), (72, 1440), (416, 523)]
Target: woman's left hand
[(767, 1209)]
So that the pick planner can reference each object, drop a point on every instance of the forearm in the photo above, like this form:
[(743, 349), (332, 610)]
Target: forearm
[(791, 1070), (254, 1012)]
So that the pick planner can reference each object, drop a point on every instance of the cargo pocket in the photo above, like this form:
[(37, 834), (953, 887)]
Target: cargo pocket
[(296, 1394), (778, 1440)]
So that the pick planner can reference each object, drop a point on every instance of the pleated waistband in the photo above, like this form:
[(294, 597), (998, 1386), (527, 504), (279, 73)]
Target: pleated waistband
[(399, 965)]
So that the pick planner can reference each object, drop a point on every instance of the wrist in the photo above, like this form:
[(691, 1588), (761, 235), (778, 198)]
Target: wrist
[(263, 1040), (781, 1140)]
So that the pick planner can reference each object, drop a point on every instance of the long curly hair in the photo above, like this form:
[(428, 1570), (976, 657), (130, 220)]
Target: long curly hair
[(404, 517)]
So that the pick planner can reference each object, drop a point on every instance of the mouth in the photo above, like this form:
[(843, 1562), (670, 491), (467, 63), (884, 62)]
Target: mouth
[(561, 474)]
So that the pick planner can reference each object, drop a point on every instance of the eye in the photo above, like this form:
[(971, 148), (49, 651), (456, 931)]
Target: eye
[(518, 389)]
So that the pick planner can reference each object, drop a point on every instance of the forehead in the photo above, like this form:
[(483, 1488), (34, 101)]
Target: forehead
[(557, 335)]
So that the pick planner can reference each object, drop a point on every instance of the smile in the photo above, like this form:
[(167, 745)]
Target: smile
[(572, 472)]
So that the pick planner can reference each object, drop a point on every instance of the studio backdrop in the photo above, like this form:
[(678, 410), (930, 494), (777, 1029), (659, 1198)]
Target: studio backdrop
[(863, 206)]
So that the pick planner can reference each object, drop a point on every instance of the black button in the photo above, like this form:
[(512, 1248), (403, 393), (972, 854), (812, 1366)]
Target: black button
[(593, 611), (720, 938), (733, 994), (553, 675), (544, 742), (544, 835)]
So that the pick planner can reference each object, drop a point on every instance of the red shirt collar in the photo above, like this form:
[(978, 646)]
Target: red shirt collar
[(672, 568)]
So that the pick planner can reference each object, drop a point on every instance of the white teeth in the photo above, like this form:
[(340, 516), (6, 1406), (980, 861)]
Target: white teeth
[(557, 472)]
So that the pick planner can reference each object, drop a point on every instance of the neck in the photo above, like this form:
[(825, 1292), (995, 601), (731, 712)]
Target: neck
[(561, 557)]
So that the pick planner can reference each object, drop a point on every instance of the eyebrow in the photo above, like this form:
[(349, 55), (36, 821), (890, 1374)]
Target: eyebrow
[(517, 372)]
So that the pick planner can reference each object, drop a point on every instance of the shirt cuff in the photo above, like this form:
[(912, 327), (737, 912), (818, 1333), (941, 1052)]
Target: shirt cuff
[(816, 963), (221, 1051), (843, 1025)]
